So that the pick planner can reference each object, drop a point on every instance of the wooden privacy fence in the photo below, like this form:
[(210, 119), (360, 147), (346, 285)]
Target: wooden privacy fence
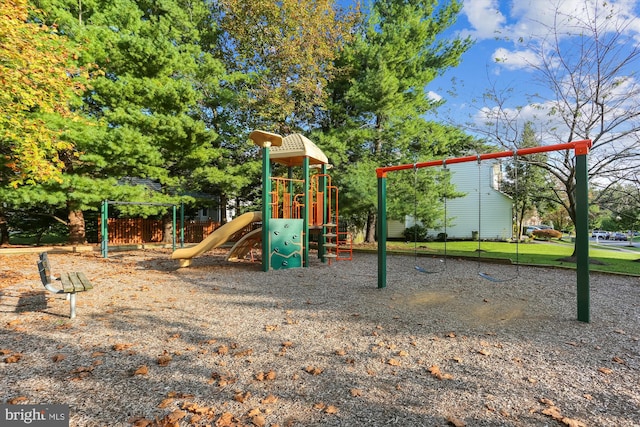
[(125, 231)]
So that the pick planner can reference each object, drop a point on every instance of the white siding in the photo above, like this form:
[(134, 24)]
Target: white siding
[(462, 213), (395, 229)]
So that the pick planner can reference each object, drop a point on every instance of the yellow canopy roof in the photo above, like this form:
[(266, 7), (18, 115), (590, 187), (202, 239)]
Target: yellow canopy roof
[(294, 149)]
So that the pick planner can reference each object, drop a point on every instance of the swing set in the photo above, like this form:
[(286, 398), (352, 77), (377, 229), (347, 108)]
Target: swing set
[(581, 150)]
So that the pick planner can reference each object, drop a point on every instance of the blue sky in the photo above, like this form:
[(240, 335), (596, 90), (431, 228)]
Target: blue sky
[(503, 56), (509, 30)]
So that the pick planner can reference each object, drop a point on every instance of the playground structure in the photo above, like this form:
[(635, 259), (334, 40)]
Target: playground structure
[(581, 150), (292, 210)]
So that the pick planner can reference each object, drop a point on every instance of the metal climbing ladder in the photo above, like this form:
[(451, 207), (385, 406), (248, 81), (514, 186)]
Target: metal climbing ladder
[(336, 245)]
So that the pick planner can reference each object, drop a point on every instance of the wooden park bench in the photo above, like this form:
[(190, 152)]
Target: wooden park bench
[(72, 283)]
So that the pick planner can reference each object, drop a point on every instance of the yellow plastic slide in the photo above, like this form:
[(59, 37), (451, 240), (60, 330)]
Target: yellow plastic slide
[(215, 239)]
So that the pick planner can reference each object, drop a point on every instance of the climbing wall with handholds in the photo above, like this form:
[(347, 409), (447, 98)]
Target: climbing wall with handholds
[(285, 243)]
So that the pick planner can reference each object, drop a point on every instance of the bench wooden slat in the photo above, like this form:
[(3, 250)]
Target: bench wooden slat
[(75, 282)]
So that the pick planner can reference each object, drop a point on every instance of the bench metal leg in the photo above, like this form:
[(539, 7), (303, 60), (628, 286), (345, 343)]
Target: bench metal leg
[(72, 303)]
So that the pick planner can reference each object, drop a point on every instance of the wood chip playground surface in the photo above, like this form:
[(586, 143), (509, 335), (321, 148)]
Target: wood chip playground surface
[(225, 344)]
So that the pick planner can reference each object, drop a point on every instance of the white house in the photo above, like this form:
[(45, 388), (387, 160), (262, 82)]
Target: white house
[(483, 209)]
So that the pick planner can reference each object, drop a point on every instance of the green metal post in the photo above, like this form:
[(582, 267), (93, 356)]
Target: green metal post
[(173, 229), (582, 236), (305, 212), (266, 207), (104, 212), (382, 231), (182, 225)]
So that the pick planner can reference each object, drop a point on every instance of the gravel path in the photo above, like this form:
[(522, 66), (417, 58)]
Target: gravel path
[(225, 344)]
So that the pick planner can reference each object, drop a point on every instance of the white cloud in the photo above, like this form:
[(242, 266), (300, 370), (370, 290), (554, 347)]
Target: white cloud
[(485, 17), (516, 59), (522, 22)]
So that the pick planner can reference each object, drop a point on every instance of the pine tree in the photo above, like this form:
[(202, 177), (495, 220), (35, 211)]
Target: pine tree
[(145, 99), (377, 112)]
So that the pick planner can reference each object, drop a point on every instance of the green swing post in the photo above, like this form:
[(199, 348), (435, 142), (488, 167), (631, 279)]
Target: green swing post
[(182, 224), (582, 232), (173, 228), (382, 229), (104, 229)]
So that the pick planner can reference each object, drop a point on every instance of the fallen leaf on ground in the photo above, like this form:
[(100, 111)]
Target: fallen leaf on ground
[(266, 376), (166, 402), (142, 370), (226, 420), (436, 372), (258, 421), (164, 360), (241, 397), (393, 362), (313, 370), (331, 410), (355, 392), (58, 357), (14, 358), (605, 371), (121, 346), (176, 416), (269, 399)]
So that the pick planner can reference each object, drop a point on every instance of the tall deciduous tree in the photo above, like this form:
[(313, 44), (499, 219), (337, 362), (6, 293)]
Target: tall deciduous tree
[(286, 49), (37, 72), (586, 66), (527, 183), (376, 115)]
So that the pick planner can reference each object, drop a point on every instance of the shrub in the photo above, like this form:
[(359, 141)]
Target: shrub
[(416, 233), (547, 234)]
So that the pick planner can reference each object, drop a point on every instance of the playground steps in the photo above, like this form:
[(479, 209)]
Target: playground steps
[(334, 246)]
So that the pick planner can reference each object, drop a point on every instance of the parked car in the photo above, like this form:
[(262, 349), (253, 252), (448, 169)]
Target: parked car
[(619, 236), (530, 229), (599, 234)]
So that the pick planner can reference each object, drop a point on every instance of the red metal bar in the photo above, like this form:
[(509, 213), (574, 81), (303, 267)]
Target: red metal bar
[(580, 147)]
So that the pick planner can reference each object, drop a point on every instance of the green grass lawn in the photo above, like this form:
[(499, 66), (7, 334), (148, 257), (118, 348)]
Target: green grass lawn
[(613, 259)]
